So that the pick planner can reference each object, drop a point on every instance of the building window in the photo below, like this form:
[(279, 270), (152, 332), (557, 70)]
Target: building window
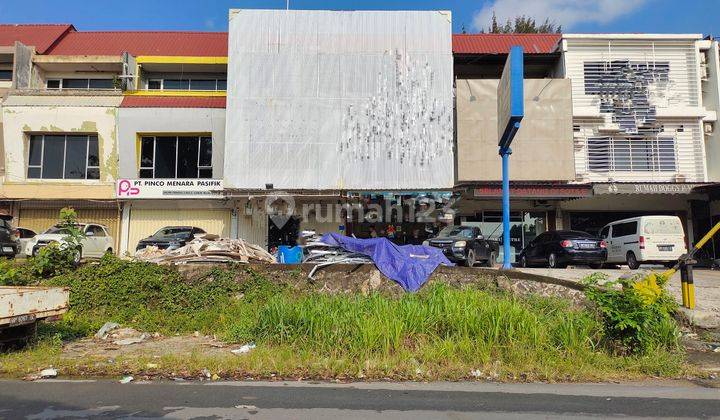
[(176, 157), (628, 154), (203, 84), (80, 84), (6, 75), (63, 156)]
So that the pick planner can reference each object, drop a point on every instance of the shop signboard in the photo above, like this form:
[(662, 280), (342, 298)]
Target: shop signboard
[(645, 188), (510, 96), (133, 189)]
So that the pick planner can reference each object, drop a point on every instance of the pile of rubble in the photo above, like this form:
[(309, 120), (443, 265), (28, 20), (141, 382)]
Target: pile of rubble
[(323, 255), (207, 249)]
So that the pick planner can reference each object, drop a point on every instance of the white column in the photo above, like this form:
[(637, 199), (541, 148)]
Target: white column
[(125, 228), (234, 223)]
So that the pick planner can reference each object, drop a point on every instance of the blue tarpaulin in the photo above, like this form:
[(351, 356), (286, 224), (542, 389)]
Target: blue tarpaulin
[(409, 265)]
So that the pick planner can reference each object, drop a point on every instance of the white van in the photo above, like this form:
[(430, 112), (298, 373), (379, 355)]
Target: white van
[(645, 239)]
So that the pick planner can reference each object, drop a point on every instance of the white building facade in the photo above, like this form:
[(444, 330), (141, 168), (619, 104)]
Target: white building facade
[(638, 124)]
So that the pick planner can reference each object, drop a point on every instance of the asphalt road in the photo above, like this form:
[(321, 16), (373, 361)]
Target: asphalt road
[(277, 400)]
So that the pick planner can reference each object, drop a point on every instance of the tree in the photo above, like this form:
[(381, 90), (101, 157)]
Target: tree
[(523, 25)]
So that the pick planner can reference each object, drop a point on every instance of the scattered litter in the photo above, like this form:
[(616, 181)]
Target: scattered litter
[(476, 373), (105, 330), (245, 348), (206, 373), (151, 365), (48, 373), (215, 377), (246, 407), (207, 249), (126, 380), (196, 334), (131, 340)]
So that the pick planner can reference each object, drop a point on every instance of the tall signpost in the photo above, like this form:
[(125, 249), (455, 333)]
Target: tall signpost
[(510, 97)]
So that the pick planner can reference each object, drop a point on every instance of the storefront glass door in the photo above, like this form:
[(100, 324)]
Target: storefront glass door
[(524, 227)]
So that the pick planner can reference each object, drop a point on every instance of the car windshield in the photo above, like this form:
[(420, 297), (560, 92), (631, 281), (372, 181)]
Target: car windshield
[(173, 233), (461, 231), (59, 230)]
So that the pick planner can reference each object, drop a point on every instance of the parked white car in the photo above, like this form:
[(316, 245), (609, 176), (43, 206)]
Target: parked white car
[(645, 239), (96, 243), (27, 237)]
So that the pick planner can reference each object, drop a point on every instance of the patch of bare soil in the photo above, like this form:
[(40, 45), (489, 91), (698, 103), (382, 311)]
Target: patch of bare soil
[(147, 346), (703, 351)]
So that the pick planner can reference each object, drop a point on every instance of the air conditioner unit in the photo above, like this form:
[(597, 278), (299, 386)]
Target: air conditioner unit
[(708, 127)]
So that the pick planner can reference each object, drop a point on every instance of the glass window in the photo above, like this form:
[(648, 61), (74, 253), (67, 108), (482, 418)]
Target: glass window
[(624, 229), (6, 74), (53, 155), (165, 157), (62, 156), (35, 151), (622, 160), (75, 157), (155, 84), (97, 231), (631, 154), (205, 158), (203, 84), (53, 84), (187, 152), (604, 233), (101, 84), (176, 84), (599, 154), (75, 83), (176, 157)]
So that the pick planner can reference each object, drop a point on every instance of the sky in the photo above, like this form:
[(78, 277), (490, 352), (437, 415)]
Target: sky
[(650, 16)]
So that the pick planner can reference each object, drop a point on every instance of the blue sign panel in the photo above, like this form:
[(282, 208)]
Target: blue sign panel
[(511, 97)]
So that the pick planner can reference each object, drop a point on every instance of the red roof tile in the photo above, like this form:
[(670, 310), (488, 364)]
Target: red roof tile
[(501, 43), (173, 102), (195, 44), (36, 35)]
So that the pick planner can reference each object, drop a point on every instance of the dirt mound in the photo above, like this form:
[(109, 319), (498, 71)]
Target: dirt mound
[(365, 278)]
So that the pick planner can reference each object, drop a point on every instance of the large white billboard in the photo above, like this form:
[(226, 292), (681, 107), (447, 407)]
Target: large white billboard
[(357, 100)]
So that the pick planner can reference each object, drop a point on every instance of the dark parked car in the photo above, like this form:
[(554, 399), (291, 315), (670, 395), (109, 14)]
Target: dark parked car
[(9, 238), (559, 248), (466, 245), (170, 237)]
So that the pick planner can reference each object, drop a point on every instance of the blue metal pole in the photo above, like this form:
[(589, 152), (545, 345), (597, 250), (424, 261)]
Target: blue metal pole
[(505, 154)]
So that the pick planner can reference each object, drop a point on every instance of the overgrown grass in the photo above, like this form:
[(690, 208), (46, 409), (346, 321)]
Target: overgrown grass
[(439, 333)]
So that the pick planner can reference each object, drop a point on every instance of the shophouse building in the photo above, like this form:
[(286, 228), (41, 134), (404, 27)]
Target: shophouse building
[(328, 108)]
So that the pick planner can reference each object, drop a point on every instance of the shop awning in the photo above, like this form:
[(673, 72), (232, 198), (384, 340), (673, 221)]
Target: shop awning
[(645, 188)]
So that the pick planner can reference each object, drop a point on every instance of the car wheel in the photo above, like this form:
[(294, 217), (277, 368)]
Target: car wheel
[(596, 266), (632, 261), (470, 260), (552, 260), (78, 256), (491, 260), (523, 262)]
